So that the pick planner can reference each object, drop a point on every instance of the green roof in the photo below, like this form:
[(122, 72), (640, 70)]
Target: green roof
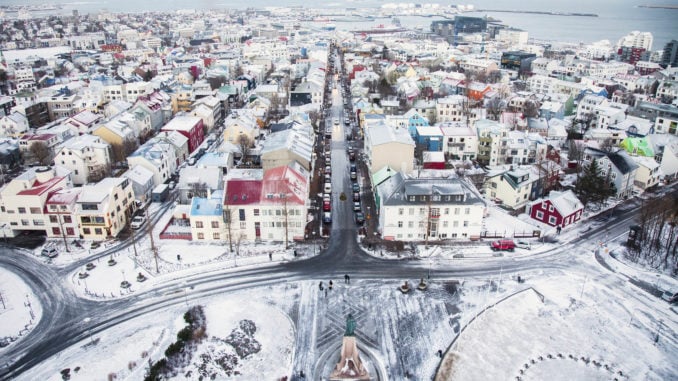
[(381, 175), (638, 146)]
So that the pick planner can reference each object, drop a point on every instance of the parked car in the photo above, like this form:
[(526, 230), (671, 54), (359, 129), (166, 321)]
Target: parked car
[(137, 222), (49, 252), (356, 187), (354, 175), (353, 168), (524, 244), (351, 156), (356, 206), (328, 170), (356, 196), (503, 244), (359, 218), (328, 188), (327, 205), (327, 217)]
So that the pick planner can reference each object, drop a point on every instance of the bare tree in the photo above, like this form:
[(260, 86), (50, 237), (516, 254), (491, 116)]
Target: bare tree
[(495, 106), (608, 146), (244, 144), (128, 146), (41, 153), (531, 108), (98, 171)]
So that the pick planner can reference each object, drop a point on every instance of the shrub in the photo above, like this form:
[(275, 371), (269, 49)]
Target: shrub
[(185, 334), (174, 348)]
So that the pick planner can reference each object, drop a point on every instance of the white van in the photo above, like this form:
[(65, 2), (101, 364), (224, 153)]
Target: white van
[(328, 188)]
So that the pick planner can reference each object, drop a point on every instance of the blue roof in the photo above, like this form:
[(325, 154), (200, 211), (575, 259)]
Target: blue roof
[(205, 207)]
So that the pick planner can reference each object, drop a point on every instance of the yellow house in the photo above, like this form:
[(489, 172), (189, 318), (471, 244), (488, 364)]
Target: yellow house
[(243, 125), (119, 135)]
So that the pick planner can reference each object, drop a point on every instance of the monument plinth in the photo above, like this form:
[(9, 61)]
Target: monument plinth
[(350, 367)]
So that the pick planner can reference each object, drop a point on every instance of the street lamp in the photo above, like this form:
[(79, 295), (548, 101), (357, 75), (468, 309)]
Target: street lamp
[(314, 242)]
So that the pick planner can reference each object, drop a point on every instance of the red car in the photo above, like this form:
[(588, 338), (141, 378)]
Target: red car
[(327, 206), (503, 244)]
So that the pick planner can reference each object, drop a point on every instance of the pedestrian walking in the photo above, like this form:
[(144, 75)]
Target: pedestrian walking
[(346, 278), (331, 284), (321, 286), (440, 353), (326, 293), (270, 256)]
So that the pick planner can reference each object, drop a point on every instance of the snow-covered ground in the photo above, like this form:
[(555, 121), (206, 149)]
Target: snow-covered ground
[(606, 324), (583, 329), (20, 310), (126, 350)]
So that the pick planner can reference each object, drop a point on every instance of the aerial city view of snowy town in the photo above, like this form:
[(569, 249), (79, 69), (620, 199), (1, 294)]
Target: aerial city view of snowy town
[(378, 191)]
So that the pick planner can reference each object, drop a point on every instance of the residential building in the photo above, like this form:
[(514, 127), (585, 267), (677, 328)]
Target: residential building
[(490, 139), (156, 157), (13, 125), (87, 157), (207, 218), (510, 187), (460, 142), (104, 209), (191, 127), (617, 166), (142, 183), (558, 209), (60, 213), (22, 200), (381, 141), (288, 146), (422, 209)]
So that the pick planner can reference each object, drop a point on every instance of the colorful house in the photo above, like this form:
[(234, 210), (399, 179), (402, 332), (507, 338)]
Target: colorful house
[(558, 209), (637, 147)]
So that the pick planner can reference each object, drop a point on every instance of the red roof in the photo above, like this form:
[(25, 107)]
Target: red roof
[(40, 188), (242, 192)]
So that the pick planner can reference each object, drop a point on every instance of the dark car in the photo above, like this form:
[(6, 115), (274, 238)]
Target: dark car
[(359, 218), (49, 252), (327, 217), (356, 187), (351, 156), (356, 196), (354, 175)]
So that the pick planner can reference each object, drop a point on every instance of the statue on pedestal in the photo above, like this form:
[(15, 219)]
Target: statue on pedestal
[(350, 367)]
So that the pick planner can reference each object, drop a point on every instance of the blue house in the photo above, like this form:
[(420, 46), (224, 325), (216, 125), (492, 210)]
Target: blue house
[(415, 120), (429, 137)]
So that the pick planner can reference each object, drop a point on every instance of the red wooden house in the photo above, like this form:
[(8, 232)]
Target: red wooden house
[(558, 209)]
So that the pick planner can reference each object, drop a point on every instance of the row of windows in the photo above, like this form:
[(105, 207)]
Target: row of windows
[(422, 236), (446, 224), (434, 211)]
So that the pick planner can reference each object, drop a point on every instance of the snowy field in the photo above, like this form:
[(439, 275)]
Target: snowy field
[(584, 329), (19, 308)]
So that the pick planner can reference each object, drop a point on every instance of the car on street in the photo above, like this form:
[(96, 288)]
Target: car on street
[(351, 156), (328, 188), (359, 218), (49, 252), (328, 170), (356, 187), (327, 205), (356, 196), (523, 244), (503, 245), (356, 206), (137, 222), (354, 175), (327, 217)]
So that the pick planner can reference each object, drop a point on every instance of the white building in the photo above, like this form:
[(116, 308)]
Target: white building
[(418, 209), (87, 157)]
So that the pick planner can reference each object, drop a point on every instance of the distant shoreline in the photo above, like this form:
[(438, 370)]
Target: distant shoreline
[(658, 6), (539, 12)]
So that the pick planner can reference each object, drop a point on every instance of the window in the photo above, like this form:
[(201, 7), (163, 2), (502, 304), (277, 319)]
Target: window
[(86, 231), (215, 236), (455, 224), (243, 225), (465, 224), (539, 215), (456, 210), (256, 212), (401, 211), (198, 224), (467, 211), (35, 211), (21, 210), (215, 225), (410, 224), (447, 211), (70, 231), (422, 210), (411, 211), (53, 219), (400, 224), (241, 213), (550, 208), (56, 231), (445, 224), (552, 220), (98, 231), (201, 235), (67, 219)]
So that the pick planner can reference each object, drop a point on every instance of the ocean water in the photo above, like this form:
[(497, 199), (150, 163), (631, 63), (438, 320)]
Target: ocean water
[(616, 18)]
